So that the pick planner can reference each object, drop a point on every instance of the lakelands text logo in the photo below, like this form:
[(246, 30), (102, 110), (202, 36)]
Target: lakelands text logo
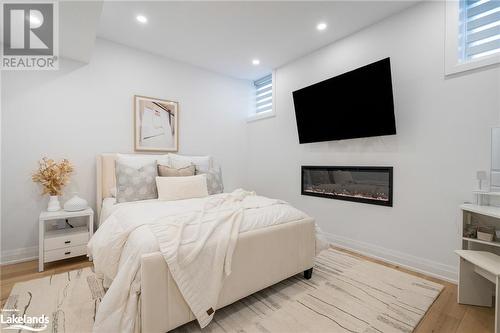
[(28, 323), (29, 36)]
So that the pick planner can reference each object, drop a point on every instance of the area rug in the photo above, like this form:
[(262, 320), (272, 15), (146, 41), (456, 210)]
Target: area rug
[(345, 294)]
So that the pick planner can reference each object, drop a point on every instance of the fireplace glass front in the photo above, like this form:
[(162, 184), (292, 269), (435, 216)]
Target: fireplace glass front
[(372, 185)]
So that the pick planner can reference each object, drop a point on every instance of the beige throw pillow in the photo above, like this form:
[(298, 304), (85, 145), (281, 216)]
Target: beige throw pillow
[(178, 188), (166, 171)]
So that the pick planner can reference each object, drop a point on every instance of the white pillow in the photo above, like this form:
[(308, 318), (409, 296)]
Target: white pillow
[(138, 161), (163, 159), (181, 161), (178, 188)]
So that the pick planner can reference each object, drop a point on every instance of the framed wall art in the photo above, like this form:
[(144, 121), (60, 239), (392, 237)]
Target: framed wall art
[(156, 124)]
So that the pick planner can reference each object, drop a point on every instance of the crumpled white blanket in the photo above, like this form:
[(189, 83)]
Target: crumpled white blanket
[(129, 232), (198, 247)]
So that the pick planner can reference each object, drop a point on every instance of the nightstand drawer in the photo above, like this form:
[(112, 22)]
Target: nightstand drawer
[(67, 252), (64, 238)]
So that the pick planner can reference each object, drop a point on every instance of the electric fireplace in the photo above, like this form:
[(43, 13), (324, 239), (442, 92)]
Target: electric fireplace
[(371, 185)]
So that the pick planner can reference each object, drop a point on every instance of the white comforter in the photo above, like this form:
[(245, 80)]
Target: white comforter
[(127, 234)]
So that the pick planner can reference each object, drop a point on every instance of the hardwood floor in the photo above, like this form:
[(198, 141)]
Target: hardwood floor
[(445, 315)]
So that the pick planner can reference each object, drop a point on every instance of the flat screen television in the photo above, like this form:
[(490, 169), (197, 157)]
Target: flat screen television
[(355, 104)]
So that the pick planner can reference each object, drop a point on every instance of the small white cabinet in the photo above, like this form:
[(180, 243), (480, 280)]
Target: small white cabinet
[(479, 273), (63, 243)]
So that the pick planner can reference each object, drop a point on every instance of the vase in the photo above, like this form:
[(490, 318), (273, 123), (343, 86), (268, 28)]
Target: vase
[(54, 205), (75, 204)]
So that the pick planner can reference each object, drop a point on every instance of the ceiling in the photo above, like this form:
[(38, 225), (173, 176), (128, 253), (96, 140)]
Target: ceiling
[(225, 36), (77, 28)]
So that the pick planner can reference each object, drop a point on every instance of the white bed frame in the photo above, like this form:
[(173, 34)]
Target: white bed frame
[(262, 258)]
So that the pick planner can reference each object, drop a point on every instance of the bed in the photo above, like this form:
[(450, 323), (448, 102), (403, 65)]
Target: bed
[(261, 258)]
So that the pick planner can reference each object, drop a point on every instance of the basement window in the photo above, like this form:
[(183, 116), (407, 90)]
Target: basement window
[(264, 91), (472, 34), (480, 27)]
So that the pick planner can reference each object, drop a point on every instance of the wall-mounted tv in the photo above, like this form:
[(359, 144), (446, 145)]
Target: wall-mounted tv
[(355, 104)]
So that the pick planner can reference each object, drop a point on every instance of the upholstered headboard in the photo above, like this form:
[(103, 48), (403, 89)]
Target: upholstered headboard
[(106, 176)]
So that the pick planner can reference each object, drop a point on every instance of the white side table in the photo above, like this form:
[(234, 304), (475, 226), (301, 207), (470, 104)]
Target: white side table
[(63, 243), (479, 274), (479, 280)]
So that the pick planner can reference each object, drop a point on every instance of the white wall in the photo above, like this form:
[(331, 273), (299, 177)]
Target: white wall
[(443, 137), (82, 110)]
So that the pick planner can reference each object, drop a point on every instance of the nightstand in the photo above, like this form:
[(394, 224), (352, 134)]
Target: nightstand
[(63, 243)]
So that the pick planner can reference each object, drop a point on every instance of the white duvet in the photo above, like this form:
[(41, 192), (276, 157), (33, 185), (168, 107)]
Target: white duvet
[(127, 234)]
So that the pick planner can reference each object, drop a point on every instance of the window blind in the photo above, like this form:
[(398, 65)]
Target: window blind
[(264, 94), (480, 28)]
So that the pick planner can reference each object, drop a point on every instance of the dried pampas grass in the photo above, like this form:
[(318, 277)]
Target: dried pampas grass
[(52, 176)]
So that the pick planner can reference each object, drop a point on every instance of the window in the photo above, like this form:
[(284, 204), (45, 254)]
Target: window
[(264, 90), (479, 29), (264, 94), (472, 34)]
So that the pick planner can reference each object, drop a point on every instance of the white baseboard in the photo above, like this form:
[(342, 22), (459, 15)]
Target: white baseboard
[(19, 255), (420, 265), (425, 266)]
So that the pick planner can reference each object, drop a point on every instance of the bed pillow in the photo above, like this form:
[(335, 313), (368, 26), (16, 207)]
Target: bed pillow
[(166, 171), (134, 184), (179, 161), (178, 188), (137, 160), (214, 179)]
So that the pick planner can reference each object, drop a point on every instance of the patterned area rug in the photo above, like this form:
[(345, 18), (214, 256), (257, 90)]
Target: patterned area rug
[(345, 294)]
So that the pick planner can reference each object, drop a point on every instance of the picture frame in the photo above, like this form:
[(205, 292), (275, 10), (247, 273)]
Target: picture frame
[(156, 124)]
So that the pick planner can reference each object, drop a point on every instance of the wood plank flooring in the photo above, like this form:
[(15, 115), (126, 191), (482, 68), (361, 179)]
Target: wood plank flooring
[(445, 315)]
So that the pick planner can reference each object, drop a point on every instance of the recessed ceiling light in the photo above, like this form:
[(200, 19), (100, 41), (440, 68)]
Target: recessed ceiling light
[(142, 19), (255, 62), (321, 26)]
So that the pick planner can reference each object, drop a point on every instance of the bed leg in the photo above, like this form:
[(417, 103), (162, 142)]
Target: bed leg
[(308, 273)]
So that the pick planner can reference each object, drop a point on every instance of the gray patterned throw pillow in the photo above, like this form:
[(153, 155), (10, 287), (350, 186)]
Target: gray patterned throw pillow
[(214, 179), (134, 184)]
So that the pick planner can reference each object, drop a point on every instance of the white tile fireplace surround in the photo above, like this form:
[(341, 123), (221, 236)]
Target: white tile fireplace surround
[(364, 184)]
